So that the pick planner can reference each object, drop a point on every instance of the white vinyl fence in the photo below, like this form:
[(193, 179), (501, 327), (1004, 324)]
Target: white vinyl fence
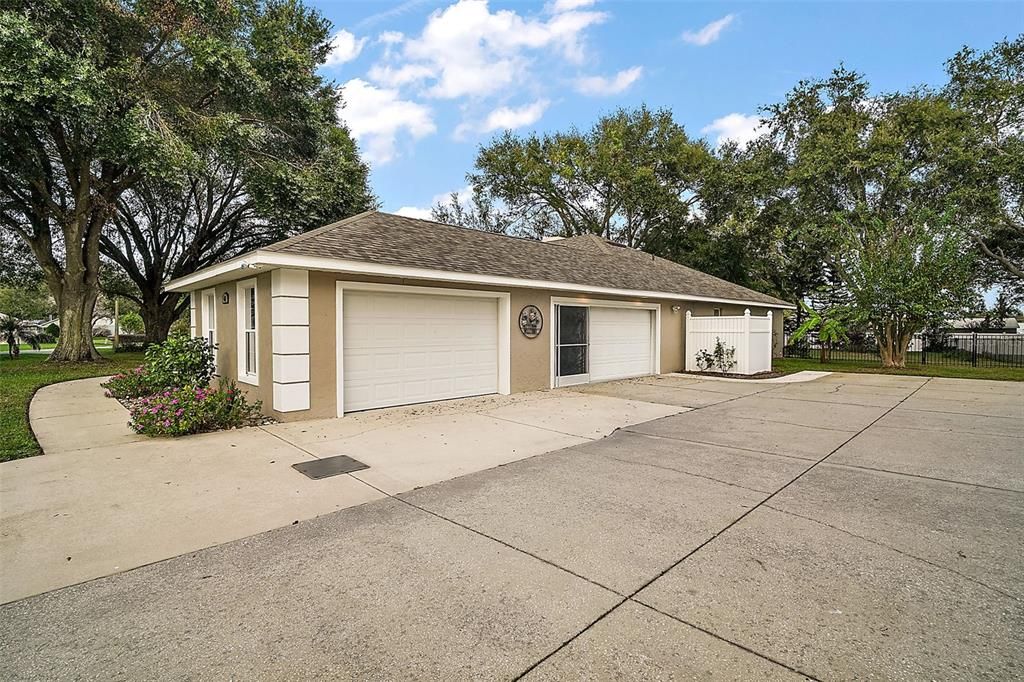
[(750, 336)]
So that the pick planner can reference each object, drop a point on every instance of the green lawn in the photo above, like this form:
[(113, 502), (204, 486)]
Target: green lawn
[(19, 380), (869, 366)]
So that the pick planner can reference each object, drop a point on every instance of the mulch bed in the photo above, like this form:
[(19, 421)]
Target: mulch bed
[(761, 375)]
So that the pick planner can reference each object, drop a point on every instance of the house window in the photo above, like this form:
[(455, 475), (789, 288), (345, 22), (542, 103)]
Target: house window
[(210, 320), (716, 312), (248, 318)]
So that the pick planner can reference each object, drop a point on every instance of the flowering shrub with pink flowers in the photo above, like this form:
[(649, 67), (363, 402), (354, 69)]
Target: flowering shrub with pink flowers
[(131, 384), (193, 409), (170, 395)]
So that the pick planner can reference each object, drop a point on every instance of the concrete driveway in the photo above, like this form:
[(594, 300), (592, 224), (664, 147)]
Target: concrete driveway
[(856, 526), (104, 499)]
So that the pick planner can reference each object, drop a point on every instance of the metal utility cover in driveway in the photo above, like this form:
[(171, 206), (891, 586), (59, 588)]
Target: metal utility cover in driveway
[(330, 466)]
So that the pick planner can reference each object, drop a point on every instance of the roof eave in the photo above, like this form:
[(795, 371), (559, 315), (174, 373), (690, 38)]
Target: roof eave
[(242, 266)]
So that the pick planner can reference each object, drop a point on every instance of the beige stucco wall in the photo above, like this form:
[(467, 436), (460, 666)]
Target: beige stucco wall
[(530, 358), (227, 340)]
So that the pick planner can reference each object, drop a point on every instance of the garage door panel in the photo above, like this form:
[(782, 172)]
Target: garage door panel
[(406, 348), (620, 343)]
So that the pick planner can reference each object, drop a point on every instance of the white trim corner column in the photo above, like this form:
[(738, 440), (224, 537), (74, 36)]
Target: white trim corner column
[(289, 320), (504, 343)]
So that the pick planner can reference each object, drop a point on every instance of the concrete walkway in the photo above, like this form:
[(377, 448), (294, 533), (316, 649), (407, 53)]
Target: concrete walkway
[(103, 499), (856, 527)]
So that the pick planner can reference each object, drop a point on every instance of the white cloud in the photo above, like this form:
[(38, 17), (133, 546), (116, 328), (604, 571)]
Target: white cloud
[(466, 50), (709, 33), (505, 118), (398, 76), (415, 212), (391, 37), (464, 195), (738, 128), (603, 85), (344, 48), (569, 5), (376, 116)]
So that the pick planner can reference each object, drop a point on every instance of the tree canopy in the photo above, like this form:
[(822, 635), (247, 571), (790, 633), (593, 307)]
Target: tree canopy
[(631, 173), (97, 98), (986, 176), (165, 230)]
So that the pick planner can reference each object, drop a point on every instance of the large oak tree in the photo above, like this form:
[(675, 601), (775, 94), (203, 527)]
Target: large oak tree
[(97, 96), (163, 231)]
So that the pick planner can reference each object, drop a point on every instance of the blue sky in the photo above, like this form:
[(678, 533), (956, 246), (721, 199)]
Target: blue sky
[(428, 82)]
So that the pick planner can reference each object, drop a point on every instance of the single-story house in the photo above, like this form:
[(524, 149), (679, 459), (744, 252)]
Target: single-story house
[(380, 310)]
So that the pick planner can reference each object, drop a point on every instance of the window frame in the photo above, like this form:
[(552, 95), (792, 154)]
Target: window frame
[(245, 312), (209, 319)]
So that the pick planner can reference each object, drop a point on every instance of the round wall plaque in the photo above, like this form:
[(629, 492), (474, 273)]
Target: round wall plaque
[(531, 321), (225, 298)]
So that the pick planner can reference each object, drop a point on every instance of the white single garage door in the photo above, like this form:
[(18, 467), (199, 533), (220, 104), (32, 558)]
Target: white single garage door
[(399, 349), (621, 343)]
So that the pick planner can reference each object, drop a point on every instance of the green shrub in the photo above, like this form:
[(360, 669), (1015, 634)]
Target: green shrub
[(131, 323), (725, 356), (131, 384), (722, 358), (180, 361), (193, 409), (130, 343)]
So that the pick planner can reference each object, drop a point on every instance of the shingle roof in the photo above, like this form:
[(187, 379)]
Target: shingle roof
[(384, 238)]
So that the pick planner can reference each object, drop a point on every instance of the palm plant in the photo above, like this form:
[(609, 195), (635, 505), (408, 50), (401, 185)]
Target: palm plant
[(17, 331), (830, 324)]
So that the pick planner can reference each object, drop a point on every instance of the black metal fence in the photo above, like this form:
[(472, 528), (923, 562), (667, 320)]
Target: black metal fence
[(960, 349)]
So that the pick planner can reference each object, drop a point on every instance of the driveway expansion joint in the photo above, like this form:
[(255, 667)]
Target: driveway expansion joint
[(720, 638), (898, 551), (682, 471), (718, 445), (925, 478), (542, 428)]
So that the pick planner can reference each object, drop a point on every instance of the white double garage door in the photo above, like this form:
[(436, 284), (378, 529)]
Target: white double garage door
[(401, 348)]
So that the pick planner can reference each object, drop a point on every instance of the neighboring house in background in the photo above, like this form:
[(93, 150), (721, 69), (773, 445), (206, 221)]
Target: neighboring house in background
[(380, 310), (1008, 325), (103, 326), (39, 326)]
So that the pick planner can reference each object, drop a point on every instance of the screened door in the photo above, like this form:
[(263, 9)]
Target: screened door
[(572, 350)]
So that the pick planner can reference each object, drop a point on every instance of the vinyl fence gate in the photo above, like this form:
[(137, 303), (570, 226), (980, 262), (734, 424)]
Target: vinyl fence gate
[(751, 337)]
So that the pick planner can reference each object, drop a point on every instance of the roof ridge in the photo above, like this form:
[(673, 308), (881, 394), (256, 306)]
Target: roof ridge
[(463, 227), (303, 236)]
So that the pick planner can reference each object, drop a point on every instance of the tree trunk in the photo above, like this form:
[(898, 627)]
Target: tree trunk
[(884, 337), (893, 340), (76, 304), (157, 315)]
